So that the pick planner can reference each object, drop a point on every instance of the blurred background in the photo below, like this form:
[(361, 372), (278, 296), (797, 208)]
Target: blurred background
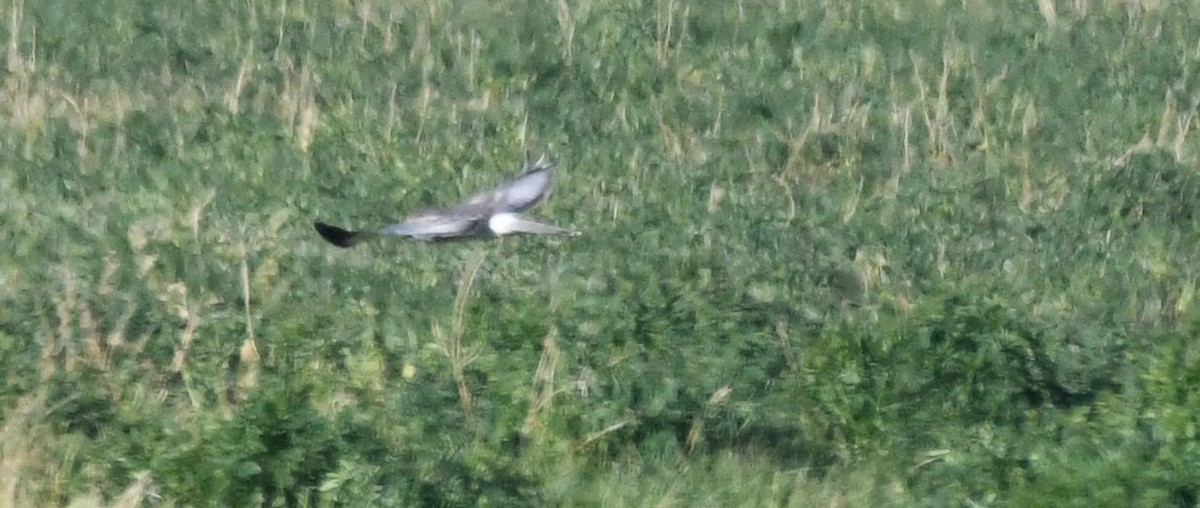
[(868, 253)]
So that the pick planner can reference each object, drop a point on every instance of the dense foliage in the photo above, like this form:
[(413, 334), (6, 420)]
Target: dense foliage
[(876, 253)]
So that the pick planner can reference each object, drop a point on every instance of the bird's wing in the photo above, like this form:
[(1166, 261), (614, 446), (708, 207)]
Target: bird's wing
[(471, 218), (441, 223), (519, 194), (343, 238)]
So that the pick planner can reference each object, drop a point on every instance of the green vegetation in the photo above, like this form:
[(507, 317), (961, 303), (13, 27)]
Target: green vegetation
[(877, 253)]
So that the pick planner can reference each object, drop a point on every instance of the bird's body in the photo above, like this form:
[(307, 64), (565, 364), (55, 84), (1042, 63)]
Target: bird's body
[(492, 213)]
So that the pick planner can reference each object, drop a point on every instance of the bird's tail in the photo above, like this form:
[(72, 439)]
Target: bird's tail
[(343, 238), (510, 223)]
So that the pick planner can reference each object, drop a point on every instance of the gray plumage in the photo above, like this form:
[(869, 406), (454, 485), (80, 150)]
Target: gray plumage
[(491, 214)]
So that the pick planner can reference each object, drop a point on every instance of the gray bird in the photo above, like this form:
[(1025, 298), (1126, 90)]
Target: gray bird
[(488, 214)]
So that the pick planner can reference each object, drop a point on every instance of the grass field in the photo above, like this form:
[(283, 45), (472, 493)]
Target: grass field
[(837, 254)]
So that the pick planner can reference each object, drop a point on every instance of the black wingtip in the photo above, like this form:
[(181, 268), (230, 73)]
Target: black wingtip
[(343, 238)]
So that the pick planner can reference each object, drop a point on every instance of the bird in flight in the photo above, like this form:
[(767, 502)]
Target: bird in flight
[(489, 214)]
